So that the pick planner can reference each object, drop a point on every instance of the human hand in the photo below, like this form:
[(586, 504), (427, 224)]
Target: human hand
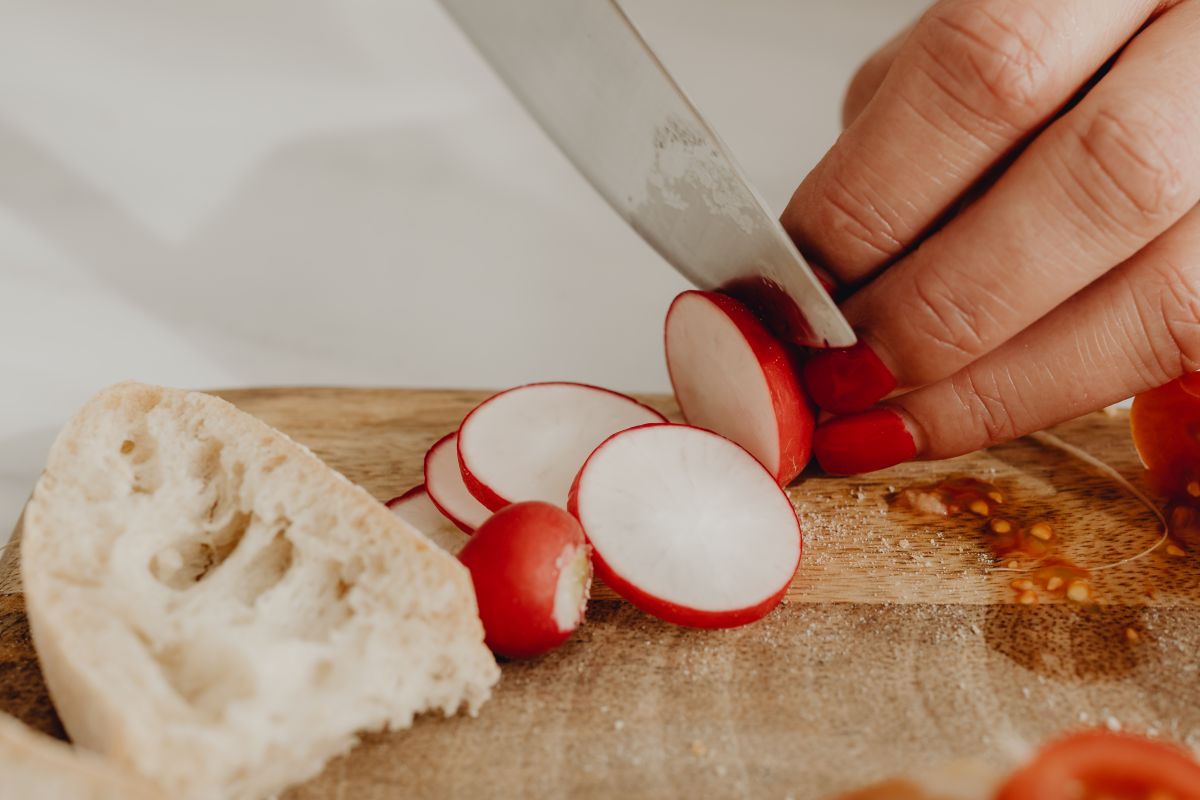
[(1014, 209)]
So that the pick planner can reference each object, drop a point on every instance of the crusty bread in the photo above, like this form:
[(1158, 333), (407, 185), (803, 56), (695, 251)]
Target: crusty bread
[(35, 766), (217, 610)]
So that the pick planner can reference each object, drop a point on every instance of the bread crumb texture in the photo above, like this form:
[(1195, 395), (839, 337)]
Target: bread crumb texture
[(216, 609)]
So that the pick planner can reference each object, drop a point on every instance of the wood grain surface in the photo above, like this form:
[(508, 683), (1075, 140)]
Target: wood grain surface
[(900, 645)]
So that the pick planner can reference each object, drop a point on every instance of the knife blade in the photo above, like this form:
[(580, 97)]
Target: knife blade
[(588, 77)]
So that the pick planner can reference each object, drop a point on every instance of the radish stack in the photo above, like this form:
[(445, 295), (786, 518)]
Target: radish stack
[(686, 522)]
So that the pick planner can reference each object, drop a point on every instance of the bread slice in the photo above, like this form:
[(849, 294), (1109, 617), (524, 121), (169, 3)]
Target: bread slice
[(33, 765), (216, 609)]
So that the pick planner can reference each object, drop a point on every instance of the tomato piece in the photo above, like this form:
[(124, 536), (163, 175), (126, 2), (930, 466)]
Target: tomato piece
[(1166, 431), (1115, 766)]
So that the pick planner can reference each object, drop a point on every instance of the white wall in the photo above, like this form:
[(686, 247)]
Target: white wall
[(230, 193)]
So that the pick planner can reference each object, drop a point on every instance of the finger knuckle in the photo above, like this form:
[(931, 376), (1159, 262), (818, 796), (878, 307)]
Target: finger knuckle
[(988, 409), (867, 74), (988, 57), (1173, 319), (857, 216), (1132, 172), (862, 87), (951, 329)]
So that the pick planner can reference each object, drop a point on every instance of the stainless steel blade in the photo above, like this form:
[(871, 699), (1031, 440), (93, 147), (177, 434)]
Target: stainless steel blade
[(591, 81)]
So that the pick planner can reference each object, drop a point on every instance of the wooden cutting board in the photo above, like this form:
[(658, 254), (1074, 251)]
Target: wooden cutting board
[(899, 645)]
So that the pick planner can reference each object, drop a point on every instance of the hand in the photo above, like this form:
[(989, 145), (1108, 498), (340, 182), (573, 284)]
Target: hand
[(1012, 212)]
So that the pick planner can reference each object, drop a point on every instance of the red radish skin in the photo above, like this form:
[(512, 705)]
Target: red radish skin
[(527, 443), (732, 376), (678, 516), (532, 571), (681, 615), (443, 482), (417, 508), (404, 498)]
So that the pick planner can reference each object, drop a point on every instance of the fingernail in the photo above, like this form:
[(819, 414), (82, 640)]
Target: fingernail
[(863, 442), (848, 379)]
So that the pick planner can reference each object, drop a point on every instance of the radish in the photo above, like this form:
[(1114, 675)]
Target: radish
[(417, 509), (732, 376), (527, 443), (444, 483), (687, 525), (532, 571)]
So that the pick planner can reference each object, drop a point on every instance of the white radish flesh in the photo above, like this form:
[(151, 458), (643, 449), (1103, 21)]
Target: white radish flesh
[(444, 482), (528, 443), (732, 376), (415, 508), (687, 525)]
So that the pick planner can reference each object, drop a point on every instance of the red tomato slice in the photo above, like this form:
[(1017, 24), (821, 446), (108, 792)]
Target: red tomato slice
[(1166, 431), (1119, 766)]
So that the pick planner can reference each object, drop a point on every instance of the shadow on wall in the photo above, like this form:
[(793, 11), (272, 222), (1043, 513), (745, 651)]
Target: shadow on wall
[(351, 248)]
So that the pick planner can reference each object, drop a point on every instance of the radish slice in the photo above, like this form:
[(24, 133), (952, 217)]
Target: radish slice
[(733, 377), (417, 509), (527, 443), (687, 526), (444, 482)]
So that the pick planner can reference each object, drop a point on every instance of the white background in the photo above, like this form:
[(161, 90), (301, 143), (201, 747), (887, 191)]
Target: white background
[(230, 193)]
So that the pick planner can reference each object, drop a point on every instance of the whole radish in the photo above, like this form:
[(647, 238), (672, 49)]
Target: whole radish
[(532, 570)]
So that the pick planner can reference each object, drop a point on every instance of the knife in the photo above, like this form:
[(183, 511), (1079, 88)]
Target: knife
[(588, 77)]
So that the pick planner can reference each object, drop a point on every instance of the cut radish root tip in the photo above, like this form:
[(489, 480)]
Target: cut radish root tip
[(573, 587), (531, 571)]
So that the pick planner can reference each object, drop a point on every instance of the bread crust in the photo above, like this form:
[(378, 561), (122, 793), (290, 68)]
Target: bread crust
[(34, 765)]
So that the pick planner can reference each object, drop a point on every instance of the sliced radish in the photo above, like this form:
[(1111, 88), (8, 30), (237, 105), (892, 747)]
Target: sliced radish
[(444, 482), (687, 525), (532, 571), (527, 443), (733, 377), (417, 509)]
